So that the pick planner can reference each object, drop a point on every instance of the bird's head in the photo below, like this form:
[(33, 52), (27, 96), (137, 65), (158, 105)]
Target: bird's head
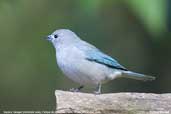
[(62, 36)]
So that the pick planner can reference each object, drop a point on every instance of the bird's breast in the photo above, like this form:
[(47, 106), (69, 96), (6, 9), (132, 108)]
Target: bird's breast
[(72, 62)]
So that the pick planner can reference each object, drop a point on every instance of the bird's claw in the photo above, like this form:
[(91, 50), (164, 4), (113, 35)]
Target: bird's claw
[(97, 92), (74, 90)]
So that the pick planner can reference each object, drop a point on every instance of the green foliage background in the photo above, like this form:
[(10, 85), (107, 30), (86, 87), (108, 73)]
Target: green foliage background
[(135, 32)]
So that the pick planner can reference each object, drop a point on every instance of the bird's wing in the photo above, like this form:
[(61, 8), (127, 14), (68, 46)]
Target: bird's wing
[(95, 55), (99, 57)]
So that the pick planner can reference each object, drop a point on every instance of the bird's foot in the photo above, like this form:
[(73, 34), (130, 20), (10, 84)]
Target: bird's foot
[(97, 92), (74, 90)]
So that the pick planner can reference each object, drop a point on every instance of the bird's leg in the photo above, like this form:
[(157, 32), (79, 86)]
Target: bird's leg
[(76, 89), (98, 89)]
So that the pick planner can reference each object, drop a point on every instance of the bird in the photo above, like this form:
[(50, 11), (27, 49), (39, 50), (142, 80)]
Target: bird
[(85, 64)]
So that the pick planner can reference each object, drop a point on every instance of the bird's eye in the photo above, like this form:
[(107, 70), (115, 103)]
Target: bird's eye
[(55, 36)]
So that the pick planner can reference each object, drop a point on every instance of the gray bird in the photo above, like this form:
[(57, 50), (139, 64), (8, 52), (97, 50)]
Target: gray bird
[(83, 63)]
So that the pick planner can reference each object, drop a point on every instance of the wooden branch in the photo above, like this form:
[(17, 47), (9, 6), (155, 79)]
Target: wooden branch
[(115, 103)]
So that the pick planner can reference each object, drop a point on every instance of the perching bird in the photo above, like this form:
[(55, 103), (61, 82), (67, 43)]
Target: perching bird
[(85, 64)]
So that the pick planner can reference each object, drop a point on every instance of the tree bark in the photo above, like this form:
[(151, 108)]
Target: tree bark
[(113, 103)]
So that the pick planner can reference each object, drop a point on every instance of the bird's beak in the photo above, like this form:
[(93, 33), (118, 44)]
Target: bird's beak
[(49, 38)]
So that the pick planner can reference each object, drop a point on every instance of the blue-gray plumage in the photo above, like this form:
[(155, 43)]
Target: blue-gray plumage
[(85, 64), (99, 57)]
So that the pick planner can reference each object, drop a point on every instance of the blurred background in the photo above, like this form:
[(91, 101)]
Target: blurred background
[(135, 32)]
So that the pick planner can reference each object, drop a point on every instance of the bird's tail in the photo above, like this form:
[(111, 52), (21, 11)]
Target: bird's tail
[(137, 76)]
